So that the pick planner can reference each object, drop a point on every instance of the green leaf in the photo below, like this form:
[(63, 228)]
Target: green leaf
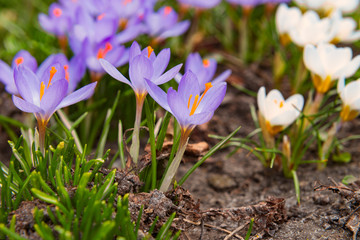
[(10, 233), (349, 179), (344, 157), (150, 120), (106, 127), (162, 133)]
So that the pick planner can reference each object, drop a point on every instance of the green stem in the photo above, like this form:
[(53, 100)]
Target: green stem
[(325, 149), (244, 43), (300, 74), (135, 145), (170, 173)]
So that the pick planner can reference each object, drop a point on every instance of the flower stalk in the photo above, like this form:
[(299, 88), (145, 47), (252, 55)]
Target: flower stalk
[(174, 165), (135, 145)]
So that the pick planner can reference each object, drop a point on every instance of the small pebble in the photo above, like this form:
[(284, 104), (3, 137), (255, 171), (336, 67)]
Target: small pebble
[(221, 182), (321, 199), (326, 226)]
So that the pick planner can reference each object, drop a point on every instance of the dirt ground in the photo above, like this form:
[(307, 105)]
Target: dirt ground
[(233, 190), (241, 180)]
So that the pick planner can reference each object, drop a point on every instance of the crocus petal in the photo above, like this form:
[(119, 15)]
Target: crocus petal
[(167, 76), (112, 71), (44, 68), (340, 87), (212, 98), (188, 86), (27, 84), (140, 68), (176, 30), (178, 77), (157, 94), (7, 78), (351, 92), (178, 107), (77, 96), (53, 96), (201, 118), (46, 23), (134, 50), (161, 62), (129, 34), (296, 101), (312, 60), (261, 97), (284, 119), (350, 68), (27, 60), (222, 77), (24, 105)]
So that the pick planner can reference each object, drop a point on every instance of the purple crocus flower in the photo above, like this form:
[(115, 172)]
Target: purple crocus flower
[(200, 3), (246, 3), (74, 69), (204, 69), (43, 96), (164, 23), (143, 64), (57, 22), (7, 73), (96, 30), (190, 108), (114, 53)]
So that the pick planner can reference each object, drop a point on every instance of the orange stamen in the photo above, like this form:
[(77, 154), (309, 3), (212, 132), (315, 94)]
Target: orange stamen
[(101, 16), (167, 10), (196, 102), (52, 73), (57, 12), (66, 68), (281, 104), (42, 90), (103, 51), (19, 61), (195, 105), (206, 63), (150, 50), (125, 2), (189, 101)]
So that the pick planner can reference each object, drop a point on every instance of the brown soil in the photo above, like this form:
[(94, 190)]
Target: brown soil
[(225, 193)]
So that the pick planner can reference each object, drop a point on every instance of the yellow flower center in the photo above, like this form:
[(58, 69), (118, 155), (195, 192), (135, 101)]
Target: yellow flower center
[(322, 85), (285, 39), (273, 130), (348, 114), (196, 100)]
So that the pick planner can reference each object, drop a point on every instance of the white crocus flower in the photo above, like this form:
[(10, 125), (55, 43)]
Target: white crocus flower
[(350, 97), (345, 6), (346, 28), (311, 4), (276, 112), (286, 19), (328, 63), (328, 6), (312, 30)]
